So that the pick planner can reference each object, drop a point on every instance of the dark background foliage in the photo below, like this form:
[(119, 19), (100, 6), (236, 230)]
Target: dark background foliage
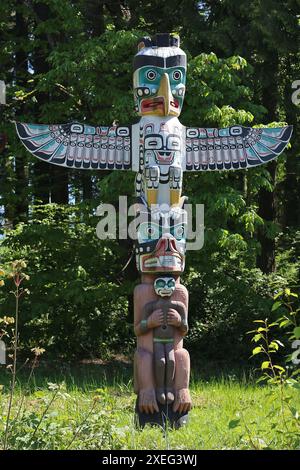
[(68, 60)]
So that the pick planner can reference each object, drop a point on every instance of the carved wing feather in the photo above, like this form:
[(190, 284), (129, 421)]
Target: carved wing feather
[(79, 145), (233, 147)]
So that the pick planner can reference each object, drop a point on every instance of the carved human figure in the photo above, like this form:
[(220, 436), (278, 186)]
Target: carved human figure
[(163, 316), (146, 355)]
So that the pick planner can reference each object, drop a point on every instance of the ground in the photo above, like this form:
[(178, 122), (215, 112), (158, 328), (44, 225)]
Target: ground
[(91, 407)]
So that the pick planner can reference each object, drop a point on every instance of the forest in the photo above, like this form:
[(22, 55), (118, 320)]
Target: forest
[(66, 61)]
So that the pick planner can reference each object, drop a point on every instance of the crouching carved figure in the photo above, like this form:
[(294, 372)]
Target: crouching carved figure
[(162, 365)]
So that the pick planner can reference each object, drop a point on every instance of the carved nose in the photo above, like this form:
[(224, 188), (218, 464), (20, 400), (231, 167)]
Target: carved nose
[(166, 243), (165, 91)]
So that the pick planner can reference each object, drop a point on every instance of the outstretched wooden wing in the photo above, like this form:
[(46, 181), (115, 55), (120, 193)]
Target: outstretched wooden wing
[(78, 145), (233, 147)]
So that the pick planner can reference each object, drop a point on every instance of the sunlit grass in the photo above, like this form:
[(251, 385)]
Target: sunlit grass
[(94, 409)]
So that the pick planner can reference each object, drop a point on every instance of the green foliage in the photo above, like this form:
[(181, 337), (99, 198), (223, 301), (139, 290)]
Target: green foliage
[(82, 72), (44, 427), (76, 306), (225, 300), (79, 296), (214, 82), (282, 378)]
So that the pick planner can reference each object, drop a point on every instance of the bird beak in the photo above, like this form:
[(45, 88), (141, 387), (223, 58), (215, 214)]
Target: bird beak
[(163, 103), (165, 92)]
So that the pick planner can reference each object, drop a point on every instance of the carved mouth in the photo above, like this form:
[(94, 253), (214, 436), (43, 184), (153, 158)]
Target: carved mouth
[(165, 157), (164, 258), (164, 292), (175, 104), (153, 104), (157, 104), (163, 263)]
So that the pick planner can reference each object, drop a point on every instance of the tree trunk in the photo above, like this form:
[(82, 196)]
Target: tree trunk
[(21, 73), (266, 257), (291, 216), (269, 75), (87, 186), (59, 184), (49, 180), (93, 16)]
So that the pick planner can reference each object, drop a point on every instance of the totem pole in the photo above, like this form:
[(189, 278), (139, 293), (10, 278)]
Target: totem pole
[(159, 149)]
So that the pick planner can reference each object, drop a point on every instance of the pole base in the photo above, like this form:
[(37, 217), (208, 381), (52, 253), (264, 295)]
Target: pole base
[(164, 417)]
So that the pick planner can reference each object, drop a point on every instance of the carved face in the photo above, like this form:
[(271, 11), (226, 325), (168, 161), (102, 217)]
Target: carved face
[(159, 91), (164, 286), (161, 242), (159, 76), (164, 148)]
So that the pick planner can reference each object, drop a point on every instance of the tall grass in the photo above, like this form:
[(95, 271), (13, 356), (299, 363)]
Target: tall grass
[(93, 408)]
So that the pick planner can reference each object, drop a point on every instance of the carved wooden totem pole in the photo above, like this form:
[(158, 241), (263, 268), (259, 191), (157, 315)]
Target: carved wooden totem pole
[(159, 149)]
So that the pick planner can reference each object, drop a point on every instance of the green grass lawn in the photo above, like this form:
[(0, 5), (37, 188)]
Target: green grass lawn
[(91, 407)]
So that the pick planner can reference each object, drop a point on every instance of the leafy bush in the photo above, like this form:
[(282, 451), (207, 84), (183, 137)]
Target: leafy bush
[(76, 305), (282, 376)]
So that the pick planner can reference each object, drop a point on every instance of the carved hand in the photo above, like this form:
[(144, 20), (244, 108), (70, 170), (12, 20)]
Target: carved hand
[(183, 402), (156, 319), (147, 401), (173, 318)]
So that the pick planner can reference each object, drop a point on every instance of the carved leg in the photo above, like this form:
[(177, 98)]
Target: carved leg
[(144, 373), (152, 181), (160, 371), (144, 367), (170, 372), (183, 402), (175, 183)]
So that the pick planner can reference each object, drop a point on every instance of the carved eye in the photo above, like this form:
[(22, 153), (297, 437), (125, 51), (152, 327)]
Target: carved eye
[(176, 75), (150, 231), (153, 142), (173, 143), (151, 75), (179, 232), (160, 283), (171, 283)]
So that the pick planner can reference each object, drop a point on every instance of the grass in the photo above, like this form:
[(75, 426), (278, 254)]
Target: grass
[(91, 407)]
